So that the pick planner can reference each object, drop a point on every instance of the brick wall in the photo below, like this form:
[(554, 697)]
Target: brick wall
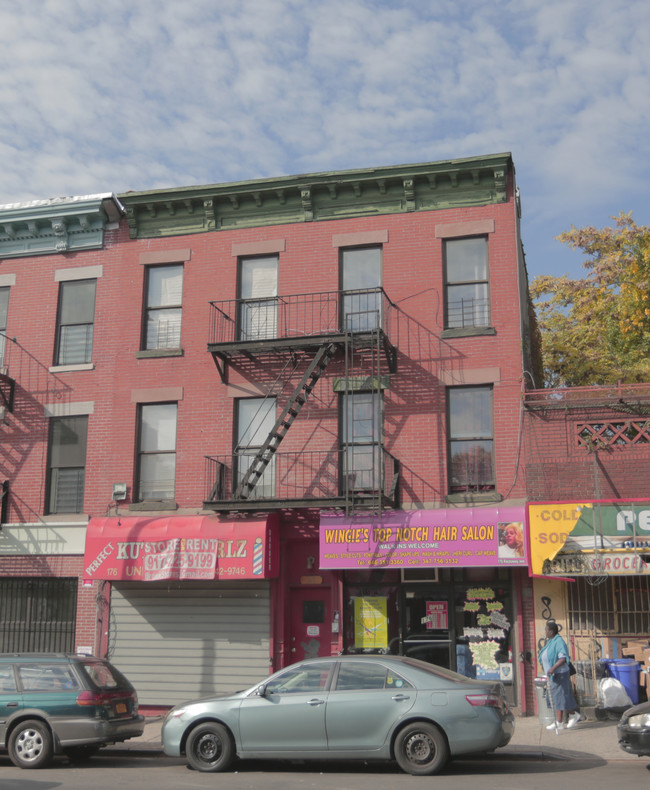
[(560, 467), (415, 402)]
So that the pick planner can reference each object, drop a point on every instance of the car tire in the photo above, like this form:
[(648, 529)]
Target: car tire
[(30, 744), (421, 749), (210, 748)]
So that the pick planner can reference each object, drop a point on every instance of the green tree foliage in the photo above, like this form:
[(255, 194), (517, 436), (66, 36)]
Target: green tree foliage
[(596, 330)]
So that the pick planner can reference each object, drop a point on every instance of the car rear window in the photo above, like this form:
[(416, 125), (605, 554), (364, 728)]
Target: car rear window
[(103, 675)]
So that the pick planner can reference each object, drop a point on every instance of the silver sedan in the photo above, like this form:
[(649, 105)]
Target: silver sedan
[(343, 708)]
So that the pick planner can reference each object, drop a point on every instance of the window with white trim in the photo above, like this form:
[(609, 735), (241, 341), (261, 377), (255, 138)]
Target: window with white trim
[(157, 452), (258, 294), (470, 439), (467, 297), (163, 310), (4, 309), (66, 472), (75, 322)]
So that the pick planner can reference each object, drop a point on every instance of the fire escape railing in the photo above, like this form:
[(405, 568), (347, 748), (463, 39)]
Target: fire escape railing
[(298, 317), (303, 478)]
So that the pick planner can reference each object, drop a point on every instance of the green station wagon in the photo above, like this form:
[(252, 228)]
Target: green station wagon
[(60, 703)]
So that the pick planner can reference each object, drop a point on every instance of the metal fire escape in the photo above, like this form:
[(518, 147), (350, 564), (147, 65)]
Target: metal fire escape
[(362, 348)]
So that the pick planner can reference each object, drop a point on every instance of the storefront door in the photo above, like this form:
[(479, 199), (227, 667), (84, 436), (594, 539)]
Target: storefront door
[(427, 625)]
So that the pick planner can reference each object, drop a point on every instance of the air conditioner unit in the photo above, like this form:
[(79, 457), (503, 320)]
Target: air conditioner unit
[(119, 492)]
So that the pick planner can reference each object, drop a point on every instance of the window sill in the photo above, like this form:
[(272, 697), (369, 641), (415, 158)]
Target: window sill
[(164, 504), (467, 498), (159, 352), (468, 331), (71, 368)]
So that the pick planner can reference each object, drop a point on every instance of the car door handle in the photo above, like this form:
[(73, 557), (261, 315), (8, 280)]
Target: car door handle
[(12, 704), (314, 702), (400, 697)]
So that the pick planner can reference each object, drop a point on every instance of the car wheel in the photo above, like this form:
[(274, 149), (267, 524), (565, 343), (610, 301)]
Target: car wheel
[(421, 749), (30, 744), (79, 754), (210, 748)]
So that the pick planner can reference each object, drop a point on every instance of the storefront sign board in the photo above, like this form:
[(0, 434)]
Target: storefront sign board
[(180, 547), (587, 538), (461, 537)]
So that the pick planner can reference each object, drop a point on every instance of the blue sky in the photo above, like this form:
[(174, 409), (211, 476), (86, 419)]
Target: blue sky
[(124, 95)]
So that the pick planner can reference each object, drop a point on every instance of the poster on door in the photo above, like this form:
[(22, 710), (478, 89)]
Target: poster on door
[(371, 622), (436, 618)]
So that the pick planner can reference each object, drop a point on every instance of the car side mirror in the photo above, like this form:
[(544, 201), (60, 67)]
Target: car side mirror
[(261, 690)]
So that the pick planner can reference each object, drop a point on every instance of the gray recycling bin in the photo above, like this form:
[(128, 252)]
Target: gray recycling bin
[(544, 711)]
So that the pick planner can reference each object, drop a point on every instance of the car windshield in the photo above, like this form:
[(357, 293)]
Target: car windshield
[(103, 675)]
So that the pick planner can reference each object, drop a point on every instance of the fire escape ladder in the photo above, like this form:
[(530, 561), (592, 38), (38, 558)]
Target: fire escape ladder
[(297, 400)]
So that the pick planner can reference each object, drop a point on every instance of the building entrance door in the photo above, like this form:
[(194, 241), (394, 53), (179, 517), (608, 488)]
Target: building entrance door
[(311, 623), (427, 625)]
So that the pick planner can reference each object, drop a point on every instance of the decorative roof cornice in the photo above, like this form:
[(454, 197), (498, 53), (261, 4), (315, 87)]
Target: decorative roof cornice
[(318, 196), (44, 227)]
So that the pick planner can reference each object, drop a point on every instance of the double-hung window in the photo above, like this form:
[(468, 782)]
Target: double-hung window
[(467, 302), (471, 440), (76, 322), (360, 284), (361, 433), (157, 452), (164, 295), (255, 420), (67, 464), (4, 308), (258, 292)]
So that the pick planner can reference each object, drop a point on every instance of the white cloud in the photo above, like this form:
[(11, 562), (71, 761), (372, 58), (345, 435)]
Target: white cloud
[(122, 95)]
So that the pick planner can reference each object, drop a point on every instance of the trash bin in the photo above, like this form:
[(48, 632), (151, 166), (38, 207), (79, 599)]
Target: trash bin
[(544, 710), (626, 670), (588, 673)]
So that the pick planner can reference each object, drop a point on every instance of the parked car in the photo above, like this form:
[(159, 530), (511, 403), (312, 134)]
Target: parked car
[(346, 707), (59, 703), (633, 730)]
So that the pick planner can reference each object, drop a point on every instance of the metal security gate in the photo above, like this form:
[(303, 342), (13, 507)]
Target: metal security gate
[(181, 640), (610, 606), (37, 615)]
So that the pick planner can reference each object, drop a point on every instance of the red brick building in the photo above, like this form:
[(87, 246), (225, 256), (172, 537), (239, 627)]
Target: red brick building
[(587, 453), (259, 421)]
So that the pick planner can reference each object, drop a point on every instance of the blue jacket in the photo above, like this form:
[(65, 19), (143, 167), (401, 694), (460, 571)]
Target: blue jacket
[(555, 648)]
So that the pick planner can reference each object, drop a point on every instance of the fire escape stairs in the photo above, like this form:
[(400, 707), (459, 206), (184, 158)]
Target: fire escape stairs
[(297, 400)]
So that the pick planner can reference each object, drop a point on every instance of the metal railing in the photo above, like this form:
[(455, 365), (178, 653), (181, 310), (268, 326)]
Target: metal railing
[(299, 316), (561, 397), (305, 476), (463, 313)]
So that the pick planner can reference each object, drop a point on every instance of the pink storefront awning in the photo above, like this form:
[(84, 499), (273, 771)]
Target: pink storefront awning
[(180, 547)]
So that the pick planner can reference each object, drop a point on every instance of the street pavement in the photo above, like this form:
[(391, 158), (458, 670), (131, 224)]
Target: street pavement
[(589, 738)]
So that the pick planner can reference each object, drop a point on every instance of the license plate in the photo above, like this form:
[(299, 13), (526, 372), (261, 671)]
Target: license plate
[(120, 707)]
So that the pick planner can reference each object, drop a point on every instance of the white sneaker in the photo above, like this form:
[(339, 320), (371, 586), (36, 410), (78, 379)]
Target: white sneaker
[(555, 726), (574, 719)]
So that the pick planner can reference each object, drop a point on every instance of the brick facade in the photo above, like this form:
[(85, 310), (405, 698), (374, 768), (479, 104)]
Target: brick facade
[(170, 228)]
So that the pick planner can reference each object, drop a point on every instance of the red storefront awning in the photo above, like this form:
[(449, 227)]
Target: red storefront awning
[(180, 547)]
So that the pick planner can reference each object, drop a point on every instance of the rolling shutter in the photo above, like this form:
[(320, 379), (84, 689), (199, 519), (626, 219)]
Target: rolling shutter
[(179, 641)]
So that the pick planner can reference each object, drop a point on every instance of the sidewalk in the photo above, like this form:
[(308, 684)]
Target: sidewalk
[(589, 739)]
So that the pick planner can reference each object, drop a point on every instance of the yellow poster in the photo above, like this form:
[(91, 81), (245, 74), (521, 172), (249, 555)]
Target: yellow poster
[(371, 622)]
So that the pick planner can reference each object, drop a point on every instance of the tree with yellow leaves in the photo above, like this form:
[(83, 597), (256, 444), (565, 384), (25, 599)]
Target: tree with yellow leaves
[(596, 330)]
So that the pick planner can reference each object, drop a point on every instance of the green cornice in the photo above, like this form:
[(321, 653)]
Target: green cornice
[(44, 227), (318, 196)]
